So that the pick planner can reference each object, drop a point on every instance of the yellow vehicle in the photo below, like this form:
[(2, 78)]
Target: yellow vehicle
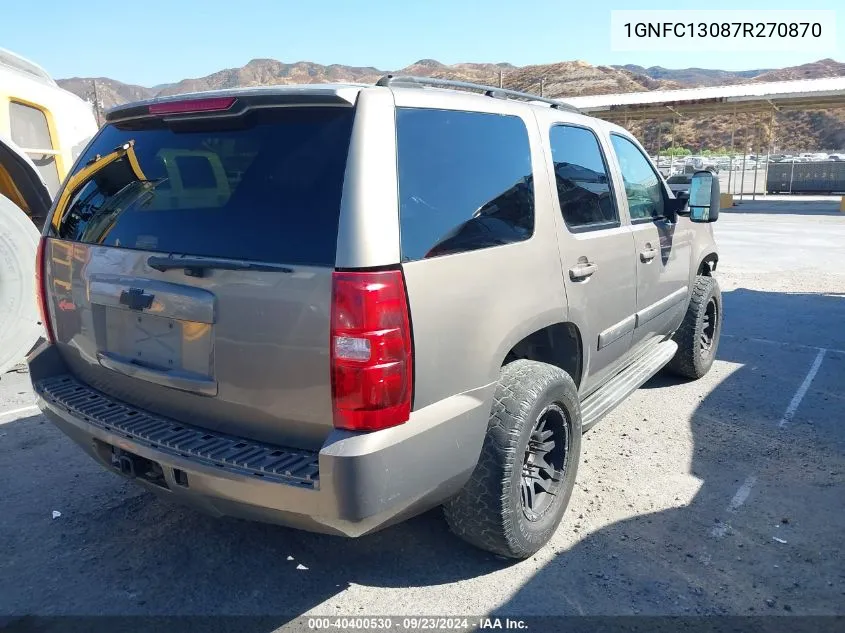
[(42, 130)]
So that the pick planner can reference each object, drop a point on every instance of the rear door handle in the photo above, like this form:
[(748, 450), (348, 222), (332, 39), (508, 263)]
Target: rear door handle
[(582, 270), (647, 254)]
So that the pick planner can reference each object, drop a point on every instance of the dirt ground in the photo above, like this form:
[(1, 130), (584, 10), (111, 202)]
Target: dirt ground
[(721, 496)]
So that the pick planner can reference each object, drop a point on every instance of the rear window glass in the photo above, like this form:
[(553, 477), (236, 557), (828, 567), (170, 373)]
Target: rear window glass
[(266, 187), (465, 181)]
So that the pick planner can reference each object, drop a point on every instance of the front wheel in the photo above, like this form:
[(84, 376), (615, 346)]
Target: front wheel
[(698, 336), (519, 490)]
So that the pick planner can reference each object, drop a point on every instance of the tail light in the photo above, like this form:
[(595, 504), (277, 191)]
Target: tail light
[(41, 287), (371, 355), (186, 106)]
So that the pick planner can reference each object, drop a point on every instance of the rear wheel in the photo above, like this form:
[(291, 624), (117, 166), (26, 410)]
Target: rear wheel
[(698, 336), (519, 491)]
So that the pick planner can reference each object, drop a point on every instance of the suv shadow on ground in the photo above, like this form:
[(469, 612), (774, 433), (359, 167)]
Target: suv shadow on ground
[(116, 550), (717, 554)]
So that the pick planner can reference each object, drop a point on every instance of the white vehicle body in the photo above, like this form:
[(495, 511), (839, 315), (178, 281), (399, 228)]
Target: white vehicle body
[(42, 130), (37, 118)]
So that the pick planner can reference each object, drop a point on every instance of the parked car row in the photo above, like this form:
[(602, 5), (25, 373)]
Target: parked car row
[(807, 158), (689, 164)]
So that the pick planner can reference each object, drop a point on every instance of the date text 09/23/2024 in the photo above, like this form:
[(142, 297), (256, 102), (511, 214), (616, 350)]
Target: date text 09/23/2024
[(416, 623)]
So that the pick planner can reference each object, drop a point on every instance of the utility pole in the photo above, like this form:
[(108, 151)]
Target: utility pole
[(745, 150), (97, 103), (756, 162), (770, 152), (672, 155), (657, 139), (731, 166), (542, 86)]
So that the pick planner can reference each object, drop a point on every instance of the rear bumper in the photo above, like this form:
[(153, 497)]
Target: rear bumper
[(356, 483)]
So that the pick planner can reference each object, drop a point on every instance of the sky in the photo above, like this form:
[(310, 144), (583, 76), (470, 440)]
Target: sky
[(161, 41)]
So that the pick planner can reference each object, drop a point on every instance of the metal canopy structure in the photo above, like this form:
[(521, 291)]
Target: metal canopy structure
[(759, 100), (804, 94)]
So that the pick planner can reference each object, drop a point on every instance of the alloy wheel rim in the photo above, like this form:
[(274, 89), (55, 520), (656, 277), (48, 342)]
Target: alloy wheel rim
[(708, 330), (544, 462)]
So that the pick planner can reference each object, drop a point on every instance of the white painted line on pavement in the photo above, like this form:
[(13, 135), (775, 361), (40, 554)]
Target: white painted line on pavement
[(802, 390), (721, 529), (742, 494), (744, 491), (30, 409), (784, 343)]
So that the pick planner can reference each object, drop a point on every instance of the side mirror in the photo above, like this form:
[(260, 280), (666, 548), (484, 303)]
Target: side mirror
[(704, 197)]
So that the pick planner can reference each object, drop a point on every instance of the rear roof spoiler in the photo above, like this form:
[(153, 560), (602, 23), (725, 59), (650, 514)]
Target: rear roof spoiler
[(343, 95)]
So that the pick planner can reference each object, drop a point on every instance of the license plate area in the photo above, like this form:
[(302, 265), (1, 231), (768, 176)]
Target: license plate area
[(147, 339), (160, 326), (161, 343)]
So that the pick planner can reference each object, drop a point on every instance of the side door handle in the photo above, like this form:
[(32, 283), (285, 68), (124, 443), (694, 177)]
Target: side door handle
[(582, 270), (648, 253)]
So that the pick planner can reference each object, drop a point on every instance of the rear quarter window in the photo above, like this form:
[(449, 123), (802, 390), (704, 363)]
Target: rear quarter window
[(465, 181), (266, 187)]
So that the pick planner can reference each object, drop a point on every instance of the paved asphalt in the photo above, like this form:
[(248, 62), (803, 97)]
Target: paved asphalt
[(721, 496)]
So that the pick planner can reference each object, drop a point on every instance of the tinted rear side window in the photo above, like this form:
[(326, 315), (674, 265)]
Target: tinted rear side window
[(583, 188), (465, 181), (266, 187)]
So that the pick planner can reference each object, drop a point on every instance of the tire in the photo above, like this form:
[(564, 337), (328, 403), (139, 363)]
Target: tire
[(20, 324), (702, 322), (490, 511)]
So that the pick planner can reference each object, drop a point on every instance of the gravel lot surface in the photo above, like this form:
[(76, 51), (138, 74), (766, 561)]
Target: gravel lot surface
[(721, 496)]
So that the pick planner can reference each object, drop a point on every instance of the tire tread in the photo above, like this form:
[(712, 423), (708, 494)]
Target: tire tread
[(481, 513), (687, 361)]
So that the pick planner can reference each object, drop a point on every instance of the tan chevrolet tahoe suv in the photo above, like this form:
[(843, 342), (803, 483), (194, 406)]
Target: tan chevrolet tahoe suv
[(333, 307)]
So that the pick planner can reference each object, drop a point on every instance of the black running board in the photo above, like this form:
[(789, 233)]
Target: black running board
[(602, 401)]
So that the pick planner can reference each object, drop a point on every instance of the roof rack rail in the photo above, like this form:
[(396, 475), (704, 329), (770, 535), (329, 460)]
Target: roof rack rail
[(490, 91)]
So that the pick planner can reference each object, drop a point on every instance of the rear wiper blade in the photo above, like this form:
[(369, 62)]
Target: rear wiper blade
[(196, 266)]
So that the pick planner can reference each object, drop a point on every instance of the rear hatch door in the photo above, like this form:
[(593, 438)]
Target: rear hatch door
[(190, 260)]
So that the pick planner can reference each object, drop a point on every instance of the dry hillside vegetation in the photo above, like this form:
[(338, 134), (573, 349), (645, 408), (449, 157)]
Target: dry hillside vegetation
[(796, 131)]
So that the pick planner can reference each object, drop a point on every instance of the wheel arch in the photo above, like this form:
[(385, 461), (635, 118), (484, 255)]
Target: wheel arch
[(557, 343), (21, 183), (707, 264)]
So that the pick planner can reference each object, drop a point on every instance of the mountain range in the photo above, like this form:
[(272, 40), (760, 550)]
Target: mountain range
[(824, 130)]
